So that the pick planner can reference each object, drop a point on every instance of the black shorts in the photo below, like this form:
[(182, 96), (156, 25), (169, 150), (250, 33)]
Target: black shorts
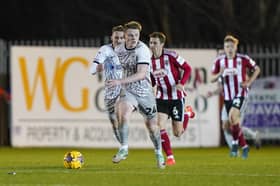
[(173, 108), (236, 102)]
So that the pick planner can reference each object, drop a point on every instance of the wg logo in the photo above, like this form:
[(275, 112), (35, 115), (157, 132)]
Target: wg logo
[(55, 87)]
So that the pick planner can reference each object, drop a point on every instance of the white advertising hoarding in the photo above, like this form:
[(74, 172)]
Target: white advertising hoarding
[(57, 102)]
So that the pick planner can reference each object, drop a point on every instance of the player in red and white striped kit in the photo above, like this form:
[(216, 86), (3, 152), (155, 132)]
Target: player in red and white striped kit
[(232, 67), (167, 77)]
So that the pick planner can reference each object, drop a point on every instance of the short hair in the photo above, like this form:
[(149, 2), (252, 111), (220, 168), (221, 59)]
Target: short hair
[(160, 35), (133, 25), (119, 28), (232, 39)]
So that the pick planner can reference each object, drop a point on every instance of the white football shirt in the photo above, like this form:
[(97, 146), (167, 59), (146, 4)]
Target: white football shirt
[(112, 68)]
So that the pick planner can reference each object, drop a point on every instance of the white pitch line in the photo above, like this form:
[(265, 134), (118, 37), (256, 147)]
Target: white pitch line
[(161, 172)]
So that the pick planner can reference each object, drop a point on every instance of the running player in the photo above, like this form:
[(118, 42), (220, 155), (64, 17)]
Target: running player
[(232, 67), (107, 60), (166, 76), (137, 91), (249, 133)]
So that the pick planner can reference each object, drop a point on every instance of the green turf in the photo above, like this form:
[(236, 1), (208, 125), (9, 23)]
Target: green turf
[(204, 166)]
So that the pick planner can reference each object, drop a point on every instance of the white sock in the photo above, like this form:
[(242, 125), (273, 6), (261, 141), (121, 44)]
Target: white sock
[(123, 131), (248, 132), (158, 151), (125, 147), (228, 138), (170, 157)]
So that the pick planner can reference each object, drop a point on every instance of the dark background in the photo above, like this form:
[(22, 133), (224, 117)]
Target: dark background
[(183, 21)]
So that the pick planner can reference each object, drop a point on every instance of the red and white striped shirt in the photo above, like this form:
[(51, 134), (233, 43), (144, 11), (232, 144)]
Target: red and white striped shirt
[(166, 74), (234, 74)]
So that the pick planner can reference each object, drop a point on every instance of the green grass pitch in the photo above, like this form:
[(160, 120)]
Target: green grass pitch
[(194, 166)]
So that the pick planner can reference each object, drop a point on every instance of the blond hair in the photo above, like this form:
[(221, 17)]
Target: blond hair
[(133, 25), (232, 39)]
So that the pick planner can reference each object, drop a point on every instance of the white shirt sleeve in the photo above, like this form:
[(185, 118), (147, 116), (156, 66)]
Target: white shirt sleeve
[(101, 55), (143, 54), (99, 59), (93, 67)]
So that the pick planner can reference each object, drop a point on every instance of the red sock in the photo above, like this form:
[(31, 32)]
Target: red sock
[(165, 142), (241, 139), (235, 130), (186, 121)]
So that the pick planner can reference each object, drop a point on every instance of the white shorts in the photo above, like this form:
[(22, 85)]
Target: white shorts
[(110, 105), (146, 104)]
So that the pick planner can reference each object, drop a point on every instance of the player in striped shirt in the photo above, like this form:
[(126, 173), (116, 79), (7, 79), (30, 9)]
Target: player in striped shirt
[(107, 60), (232, 67), (166, 77)]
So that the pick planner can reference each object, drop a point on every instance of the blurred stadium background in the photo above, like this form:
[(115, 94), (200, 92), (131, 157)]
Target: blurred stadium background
[(71, 31)]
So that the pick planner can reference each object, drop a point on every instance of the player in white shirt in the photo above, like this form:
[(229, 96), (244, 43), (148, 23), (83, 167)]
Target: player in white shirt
[(107, 60), (135, 58)]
